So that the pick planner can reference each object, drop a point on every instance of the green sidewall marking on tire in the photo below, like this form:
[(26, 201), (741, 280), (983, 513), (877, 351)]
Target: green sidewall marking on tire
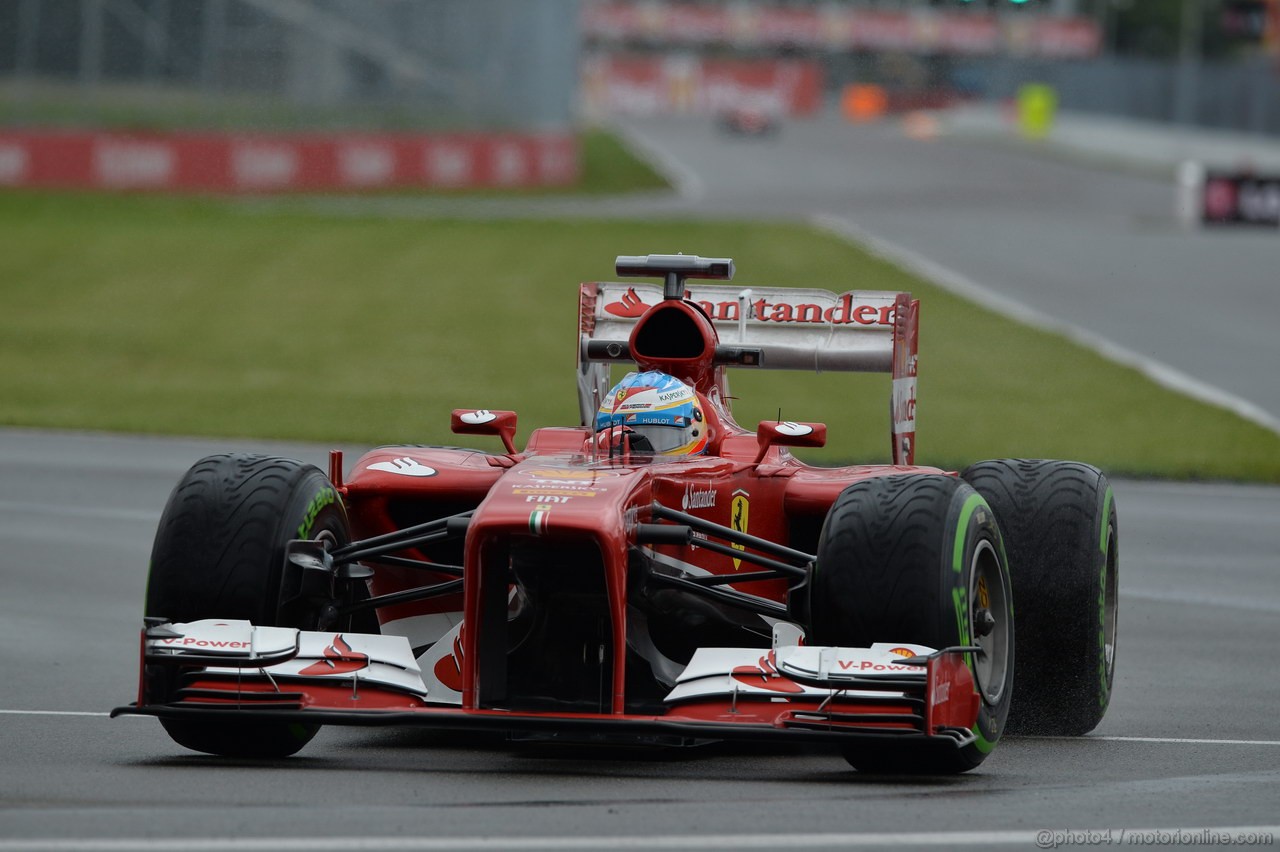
[(1104, 538), (1104, 544), (962, 617), (970, 506), (326, 496), (958, 595), (982, 744)]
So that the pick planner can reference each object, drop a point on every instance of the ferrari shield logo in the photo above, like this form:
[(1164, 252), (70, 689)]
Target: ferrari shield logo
[(739, 510)]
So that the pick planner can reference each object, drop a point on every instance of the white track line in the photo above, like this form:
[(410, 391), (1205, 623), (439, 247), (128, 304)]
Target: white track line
[(51, 713), (145, 515), (952, 281), (1172, 740), (1191, 599), (1042, 838)]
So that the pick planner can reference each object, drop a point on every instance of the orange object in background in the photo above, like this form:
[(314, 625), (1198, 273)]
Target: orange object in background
[(863, 102), (1271, 35)]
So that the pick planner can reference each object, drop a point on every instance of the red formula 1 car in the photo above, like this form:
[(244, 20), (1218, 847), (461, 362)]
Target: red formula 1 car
[(657, 572), (748, 121)]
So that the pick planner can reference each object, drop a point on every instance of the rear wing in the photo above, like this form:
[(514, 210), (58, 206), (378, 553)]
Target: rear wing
[(772, 328)]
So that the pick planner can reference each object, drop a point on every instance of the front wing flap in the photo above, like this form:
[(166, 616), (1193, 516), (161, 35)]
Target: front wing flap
[(217, 668)]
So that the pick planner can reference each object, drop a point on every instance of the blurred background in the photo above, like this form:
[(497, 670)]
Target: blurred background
[(279, 64), (540, 69), (1203, 62)]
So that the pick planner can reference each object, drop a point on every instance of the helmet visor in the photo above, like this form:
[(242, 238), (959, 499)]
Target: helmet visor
[(664, 439)]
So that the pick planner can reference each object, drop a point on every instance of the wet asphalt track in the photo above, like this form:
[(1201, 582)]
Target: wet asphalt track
[(1192, 739)]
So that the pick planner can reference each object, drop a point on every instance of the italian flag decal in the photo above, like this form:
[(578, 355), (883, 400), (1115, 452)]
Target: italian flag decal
[(538, 519)]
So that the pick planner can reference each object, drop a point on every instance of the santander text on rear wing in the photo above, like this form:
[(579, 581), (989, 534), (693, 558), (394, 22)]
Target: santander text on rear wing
[(778, 328)]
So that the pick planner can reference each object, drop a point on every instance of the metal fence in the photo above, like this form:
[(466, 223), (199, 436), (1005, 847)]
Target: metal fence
[(460, 64), (326, 64), (1242, 96)]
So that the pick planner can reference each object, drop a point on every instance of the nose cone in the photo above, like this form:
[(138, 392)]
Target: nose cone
[(565, 498)]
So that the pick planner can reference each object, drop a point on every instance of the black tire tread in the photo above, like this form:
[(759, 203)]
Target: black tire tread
[(880, 552), (222, 524), (1048, 512), (218, 553), (887, 521)]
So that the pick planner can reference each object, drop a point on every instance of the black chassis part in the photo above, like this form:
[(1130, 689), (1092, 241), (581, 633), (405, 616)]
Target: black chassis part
[(776, 561)]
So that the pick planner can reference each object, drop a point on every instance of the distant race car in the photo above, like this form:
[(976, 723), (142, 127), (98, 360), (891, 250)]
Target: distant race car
[(748, 121), (656, 573)]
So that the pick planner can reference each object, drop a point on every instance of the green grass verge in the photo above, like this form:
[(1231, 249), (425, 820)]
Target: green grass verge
[(190, 317), (608, 167)]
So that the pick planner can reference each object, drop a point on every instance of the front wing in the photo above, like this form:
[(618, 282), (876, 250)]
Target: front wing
[(233, 670)]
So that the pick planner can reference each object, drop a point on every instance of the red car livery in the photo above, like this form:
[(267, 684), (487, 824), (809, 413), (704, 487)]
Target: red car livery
[(572, 587)]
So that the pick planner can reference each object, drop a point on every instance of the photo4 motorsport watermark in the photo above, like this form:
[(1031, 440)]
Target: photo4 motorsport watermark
[(1048, 839)]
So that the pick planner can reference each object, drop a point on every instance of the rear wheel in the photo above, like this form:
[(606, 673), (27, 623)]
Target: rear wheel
[(1059, 523), (918, 558), (219, 553)]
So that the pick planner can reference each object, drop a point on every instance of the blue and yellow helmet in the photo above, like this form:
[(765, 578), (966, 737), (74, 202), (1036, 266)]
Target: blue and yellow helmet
[(662, 413)]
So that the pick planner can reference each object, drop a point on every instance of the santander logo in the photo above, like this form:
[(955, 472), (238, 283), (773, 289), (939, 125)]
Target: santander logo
[(765, 675), (448, 669), (843, 310), (339, 658), (404, 467), (629, 306), (794, 430), (695, 498)]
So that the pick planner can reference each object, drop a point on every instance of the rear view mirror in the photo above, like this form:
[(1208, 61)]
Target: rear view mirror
[(789, 433), (482, 421)]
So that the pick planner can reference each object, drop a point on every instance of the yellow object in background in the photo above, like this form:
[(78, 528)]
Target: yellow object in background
[(1037, 105)]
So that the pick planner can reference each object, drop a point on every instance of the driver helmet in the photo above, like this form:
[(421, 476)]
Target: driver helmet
[(661, 414)]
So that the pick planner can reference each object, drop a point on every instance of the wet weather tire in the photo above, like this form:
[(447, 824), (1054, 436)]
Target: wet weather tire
[(219, 553), (917, 558), (1059, 525)]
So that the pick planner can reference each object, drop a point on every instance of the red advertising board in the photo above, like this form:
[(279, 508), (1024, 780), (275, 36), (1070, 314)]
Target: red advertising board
[(251, 162), (642, 85), (1241, 198), (839, 27)]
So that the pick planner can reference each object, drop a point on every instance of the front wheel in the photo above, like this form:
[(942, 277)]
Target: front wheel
[(918, 558), (219, 553)]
